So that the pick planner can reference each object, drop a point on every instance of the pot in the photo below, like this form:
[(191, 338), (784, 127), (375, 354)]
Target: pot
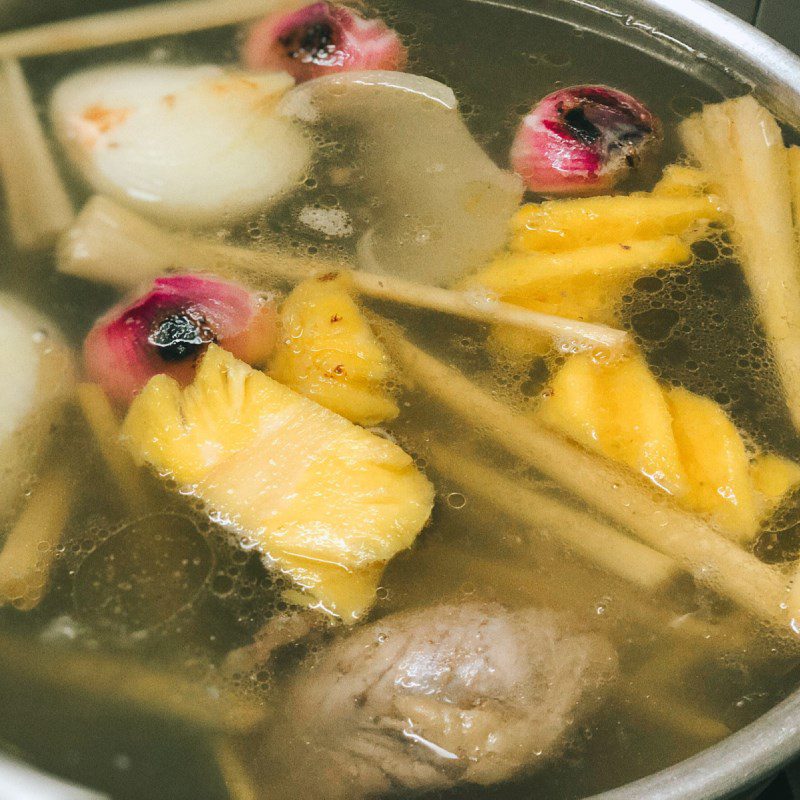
[(723, 52)]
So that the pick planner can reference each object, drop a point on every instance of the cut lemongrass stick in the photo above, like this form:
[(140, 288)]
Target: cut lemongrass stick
[(650, 695), (131, 25), (39, 208), (233, 770), (591, 539), (740, 144), (693, 543), (794, 178), (30, 546), (104, 425), (118, 682), (569, 334), (111, 244), (527, 583), (668, 712)]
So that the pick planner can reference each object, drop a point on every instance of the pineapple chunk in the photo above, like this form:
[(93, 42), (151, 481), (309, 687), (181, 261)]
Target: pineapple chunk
[(773, 476), (322, 499), (716, 464), (559, 225), (329, 353), (582, 284), (617, 409), (680, 181)]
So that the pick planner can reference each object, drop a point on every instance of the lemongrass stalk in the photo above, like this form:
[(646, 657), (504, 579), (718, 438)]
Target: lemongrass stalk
[(543, 586), (739, 143), (669, 712), (111, 244), (39, 208), (794, 178), (578, 531), (123, 683), (104, 425), (238, 780), (567, 334), (653, 685), (30, 546), (133, 24), (688, 539)]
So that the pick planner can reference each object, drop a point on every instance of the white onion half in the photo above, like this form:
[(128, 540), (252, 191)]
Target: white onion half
[(189, 145)]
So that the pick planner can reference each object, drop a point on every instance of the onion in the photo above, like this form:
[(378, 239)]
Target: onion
[(321, 38), (192, 145), (166, 328)]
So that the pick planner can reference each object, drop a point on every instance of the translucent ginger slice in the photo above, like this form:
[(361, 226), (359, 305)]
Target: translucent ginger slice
[(560, 225), (616, 409), (291, 477), (716, 463), (328, 352)]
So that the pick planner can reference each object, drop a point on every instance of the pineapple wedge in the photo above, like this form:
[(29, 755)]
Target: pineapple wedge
[(328, 352), (716, 463), (682, 442), (773, 476), (581, 284), (616, 409), (559, 225), (323, 500), (681, 181)]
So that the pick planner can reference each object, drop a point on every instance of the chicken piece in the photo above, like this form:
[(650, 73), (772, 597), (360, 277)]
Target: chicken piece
[(434, 698)]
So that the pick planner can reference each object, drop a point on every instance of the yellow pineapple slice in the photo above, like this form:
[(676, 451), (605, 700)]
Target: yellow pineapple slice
[(581, 284), (678, 180), (773, 476), (317, 495), (716, 464), (328, 352), (617, 409), (561, 225)]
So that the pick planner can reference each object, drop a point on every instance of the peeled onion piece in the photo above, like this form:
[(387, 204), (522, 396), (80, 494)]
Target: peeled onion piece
[(321, 38), (583, 140), (37, 376), (168, 327), (436, 204), (190, 145)]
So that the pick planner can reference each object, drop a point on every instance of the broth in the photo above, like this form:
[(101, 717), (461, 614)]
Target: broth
[(680, 687)]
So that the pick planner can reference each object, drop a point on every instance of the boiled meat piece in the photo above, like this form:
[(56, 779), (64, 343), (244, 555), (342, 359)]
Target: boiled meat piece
[(429, 699)]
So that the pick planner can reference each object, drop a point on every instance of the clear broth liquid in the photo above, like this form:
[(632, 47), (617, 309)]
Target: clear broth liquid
[(697, 329)]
